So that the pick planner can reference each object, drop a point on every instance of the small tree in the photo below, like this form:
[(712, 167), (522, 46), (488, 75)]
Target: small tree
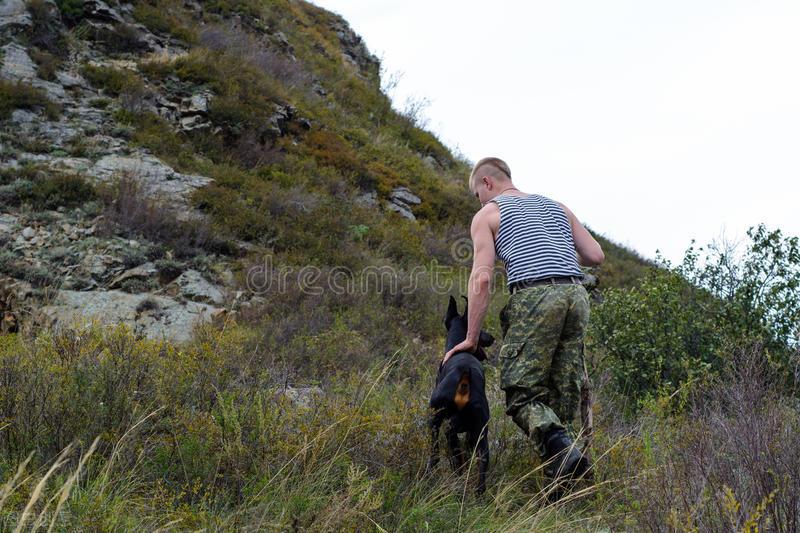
[(678, 323)]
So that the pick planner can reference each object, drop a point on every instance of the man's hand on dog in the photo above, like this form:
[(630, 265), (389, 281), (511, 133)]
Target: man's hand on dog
[(466, 345)]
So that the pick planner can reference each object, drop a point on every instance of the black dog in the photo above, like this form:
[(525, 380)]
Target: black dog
[(460, 398)]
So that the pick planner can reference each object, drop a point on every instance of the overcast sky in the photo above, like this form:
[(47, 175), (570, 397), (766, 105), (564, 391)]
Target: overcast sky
[(655, 122)]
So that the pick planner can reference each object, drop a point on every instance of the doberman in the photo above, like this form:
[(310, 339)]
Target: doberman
[(460, 398)]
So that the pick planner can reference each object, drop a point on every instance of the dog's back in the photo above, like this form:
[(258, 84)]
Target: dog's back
[(460, 392)]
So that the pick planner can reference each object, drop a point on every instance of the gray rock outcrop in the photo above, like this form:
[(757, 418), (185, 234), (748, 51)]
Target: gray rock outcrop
[(155, 317), (157, 178), (401, 199), (14, 15), (191, 285)]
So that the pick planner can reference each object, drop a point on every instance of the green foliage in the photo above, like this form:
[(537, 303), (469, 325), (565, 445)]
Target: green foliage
[(67, 190), (21, 95), (737, 431), (158, 17), (661, 333), (155, 133), (112, 80), (48, 191), (761, 287), (676, 324), (207, 435), (71, 10), (198, 66), (47, 64)]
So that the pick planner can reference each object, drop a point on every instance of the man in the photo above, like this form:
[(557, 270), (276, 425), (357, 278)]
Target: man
[(542, 244)]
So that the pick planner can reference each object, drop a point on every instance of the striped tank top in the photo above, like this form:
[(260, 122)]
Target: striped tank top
[(534, 239)]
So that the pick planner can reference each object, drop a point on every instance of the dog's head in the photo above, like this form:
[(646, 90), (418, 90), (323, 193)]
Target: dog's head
[(456, 325)]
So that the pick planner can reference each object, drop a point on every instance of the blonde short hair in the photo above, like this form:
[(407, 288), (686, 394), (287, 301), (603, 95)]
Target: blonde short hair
[(494, 162)]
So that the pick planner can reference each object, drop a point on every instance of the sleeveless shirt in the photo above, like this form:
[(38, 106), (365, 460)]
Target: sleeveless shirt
[(534, 239)]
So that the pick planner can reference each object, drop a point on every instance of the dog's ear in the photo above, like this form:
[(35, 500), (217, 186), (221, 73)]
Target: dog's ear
[(485, 339), (466, 305), (452, 312)]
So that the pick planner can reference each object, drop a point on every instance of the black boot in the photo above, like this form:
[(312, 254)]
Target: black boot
[(567, 461)]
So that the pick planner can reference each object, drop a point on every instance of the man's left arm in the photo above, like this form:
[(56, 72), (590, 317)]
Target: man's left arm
[(478, 288)]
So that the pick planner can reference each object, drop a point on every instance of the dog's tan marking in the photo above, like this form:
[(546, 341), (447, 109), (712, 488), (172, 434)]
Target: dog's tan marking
[(461, 398)]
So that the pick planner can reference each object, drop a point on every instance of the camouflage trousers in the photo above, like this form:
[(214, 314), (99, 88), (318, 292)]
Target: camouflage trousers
[(541, 360)]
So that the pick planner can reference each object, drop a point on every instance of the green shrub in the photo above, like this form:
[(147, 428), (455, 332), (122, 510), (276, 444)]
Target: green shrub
[(158, 18), (112, 80), (20, 95), (47, 64), (49, 191), (661, 333), (670, 328), (71, 10), (67, 190)]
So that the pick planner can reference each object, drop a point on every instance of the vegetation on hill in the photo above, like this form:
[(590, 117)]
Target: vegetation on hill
[(306, 409)]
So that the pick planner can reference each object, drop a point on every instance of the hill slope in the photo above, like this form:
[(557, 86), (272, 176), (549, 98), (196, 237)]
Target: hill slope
[(154, 153)]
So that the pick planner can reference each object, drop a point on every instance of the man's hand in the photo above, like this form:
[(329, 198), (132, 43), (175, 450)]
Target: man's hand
[(466, 345)]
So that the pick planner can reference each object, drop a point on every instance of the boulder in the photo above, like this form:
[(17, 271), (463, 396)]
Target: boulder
[(17, 64), (192, 286), (157, 179), (405, 195), (144, 271), (7, 223), (401, 199), (197, 103), (402, 209), (154, 317), (14, 15), (99, 10), (354, 51), (193, 122), (70, 80)]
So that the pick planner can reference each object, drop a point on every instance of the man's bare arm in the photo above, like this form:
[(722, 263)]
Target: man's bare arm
[(589, 251), (481, 276), (479, 286)]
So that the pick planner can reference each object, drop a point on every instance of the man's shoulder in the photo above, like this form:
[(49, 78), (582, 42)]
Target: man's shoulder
[(488, 215), (487, 212)]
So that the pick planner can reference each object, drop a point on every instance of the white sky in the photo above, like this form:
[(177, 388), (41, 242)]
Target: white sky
[(655, 122)]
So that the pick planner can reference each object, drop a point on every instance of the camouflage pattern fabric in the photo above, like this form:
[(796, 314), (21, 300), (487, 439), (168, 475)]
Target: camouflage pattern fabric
[(541, 360)]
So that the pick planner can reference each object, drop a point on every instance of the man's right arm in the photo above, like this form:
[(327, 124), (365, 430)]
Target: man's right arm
[(589, 251)]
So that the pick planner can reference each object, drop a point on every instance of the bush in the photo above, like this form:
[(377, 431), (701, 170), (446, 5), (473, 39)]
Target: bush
[(114, 81), (47, 64), (48, 191), (20, 95), (131, 214), (728, 463), (669, 329), (71, 10), (67, 190), (160, 19), (662, 333)]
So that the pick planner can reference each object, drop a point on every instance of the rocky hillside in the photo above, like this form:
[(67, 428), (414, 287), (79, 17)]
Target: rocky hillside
[(152, 153)]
